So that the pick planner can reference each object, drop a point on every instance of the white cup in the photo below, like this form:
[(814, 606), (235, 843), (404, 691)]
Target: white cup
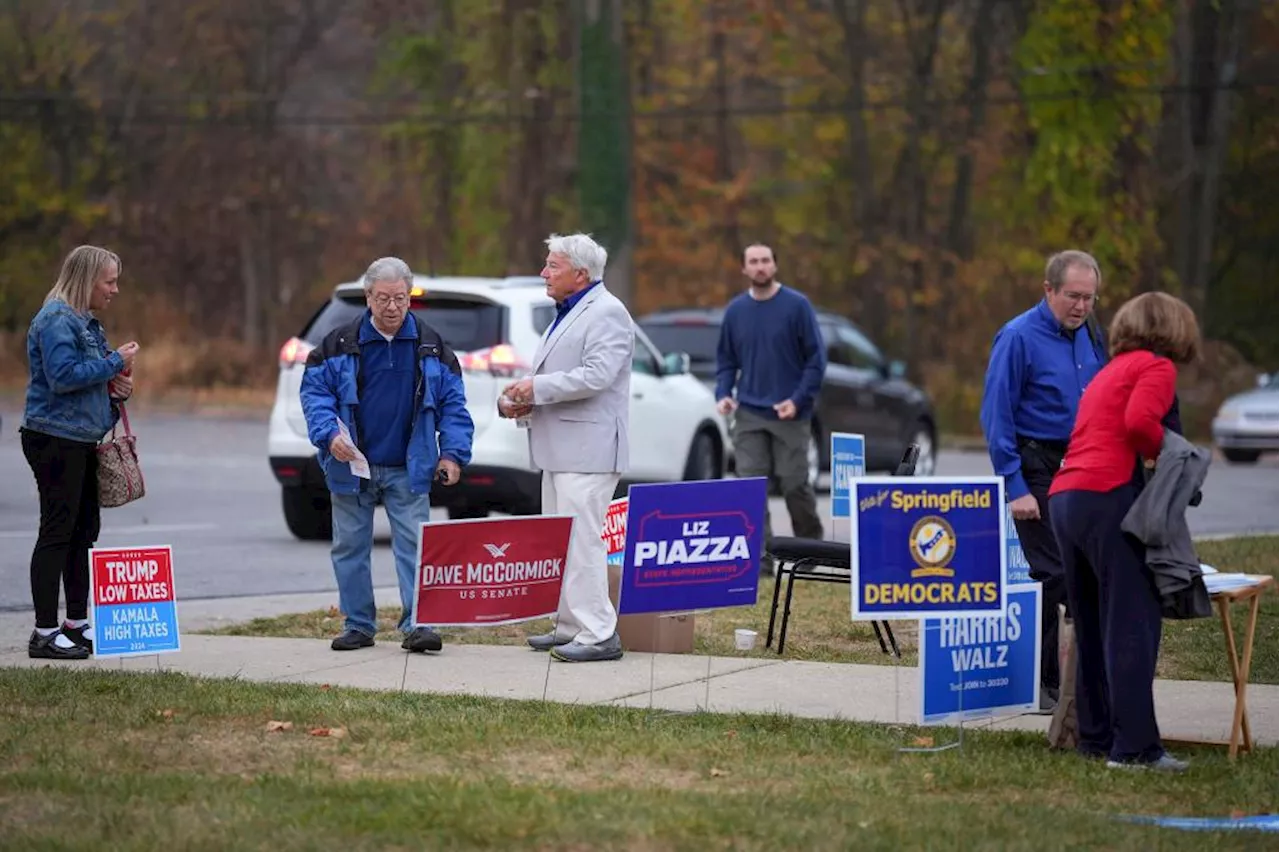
[(743, 639)]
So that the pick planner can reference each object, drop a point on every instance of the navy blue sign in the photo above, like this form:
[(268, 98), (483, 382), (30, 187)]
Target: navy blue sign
[(1019, 570), (978, 667), (693, 545), (927, 546)]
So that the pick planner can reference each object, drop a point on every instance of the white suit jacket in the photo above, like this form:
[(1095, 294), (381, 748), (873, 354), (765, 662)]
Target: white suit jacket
[(582, 389)]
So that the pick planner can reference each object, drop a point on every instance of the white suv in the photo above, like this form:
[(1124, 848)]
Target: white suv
[(494, 325)]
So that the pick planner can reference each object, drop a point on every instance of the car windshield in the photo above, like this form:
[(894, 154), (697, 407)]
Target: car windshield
[(699, 341), (465, 325)]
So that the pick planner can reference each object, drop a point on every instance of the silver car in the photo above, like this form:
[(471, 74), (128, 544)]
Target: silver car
[(1248, 424)]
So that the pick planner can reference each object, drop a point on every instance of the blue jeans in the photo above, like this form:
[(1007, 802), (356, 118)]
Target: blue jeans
[(353, 545)]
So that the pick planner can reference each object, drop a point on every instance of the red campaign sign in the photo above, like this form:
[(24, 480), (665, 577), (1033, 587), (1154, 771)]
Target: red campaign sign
[(490, 571), (131, 575), (615, 528)]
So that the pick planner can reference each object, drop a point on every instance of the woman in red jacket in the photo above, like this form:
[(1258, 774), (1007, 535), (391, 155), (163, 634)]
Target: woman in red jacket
[(1111, 593)]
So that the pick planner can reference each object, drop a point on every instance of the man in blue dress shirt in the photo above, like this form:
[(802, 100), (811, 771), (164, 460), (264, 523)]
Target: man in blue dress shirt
[(1041, 362)]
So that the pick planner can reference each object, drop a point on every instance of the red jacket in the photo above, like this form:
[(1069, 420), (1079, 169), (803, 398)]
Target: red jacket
[(1118, 420)]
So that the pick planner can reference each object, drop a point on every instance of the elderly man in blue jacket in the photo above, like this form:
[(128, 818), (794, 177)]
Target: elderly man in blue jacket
[(386, 409)]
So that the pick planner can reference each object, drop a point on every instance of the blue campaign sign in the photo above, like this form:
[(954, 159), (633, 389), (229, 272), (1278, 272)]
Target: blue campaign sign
[(927, 546), (1018, 570), (693, 545), (848, 460), (135, 607), (978, 667)]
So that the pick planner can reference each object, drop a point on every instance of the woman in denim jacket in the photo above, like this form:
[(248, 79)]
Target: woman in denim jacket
[(75, 386)]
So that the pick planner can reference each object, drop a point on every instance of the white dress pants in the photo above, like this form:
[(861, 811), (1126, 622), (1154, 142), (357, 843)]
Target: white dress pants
[(586, 614)]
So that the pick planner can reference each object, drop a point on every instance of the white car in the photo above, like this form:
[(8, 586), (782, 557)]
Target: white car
[(1248, 424), (494, 325)]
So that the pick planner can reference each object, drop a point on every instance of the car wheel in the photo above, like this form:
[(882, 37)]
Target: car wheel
[(704, 458), (463, 513), (927, 463), (307, 513), (1242, 456)]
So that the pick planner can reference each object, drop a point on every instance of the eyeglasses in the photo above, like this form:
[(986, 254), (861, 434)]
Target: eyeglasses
[(382, 300), (1078, 298)]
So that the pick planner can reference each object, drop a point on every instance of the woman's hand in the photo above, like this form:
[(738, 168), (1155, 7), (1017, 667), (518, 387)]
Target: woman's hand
[(128, 352), (121, 387)]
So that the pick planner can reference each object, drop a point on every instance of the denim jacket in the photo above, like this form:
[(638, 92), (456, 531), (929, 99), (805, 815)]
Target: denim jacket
[(70, 364)]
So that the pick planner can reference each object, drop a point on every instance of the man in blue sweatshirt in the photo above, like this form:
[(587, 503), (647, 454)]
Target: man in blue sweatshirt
[(387, 412), (771, 351)]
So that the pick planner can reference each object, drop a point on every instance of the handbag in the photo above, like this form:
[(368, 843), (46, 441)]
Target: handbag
[(119, 474)]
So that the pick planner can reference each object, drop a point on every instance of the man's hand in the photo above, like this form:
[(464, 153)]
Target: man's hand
[(448, 472), (786, 410), (342, 449), (1025, 508), (509, 409), (121, 387), (726, 406), (521, 392)]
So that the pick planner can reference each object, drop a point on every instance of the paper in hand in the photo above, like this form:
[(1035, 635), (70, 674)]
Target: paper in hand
[(360, 464)]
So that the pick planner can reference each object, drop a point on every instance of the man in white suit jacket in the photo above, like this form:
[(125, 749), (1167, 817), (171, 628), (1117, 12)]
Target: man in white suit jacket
[(577, 404)]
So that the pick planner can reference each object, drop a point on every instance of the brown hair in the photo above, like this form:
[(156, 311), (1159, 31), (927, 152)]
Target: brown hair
[(1159, 323)]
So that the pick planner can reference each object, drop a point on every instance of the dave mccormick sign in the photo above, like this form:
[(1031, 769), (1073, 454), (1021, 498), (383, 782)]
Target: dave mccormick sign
[(693, 545), (928, 546), (490, 571)]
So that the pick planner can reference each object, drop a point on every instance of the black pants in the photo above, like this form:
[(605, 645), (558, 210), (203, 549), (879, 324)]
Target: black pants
[(67, 477), (1039, 464), (1117, 621)]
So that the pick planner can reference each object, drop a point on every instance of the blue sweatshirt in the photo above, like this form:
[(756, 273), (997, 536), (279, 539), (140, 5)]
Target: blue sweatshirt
[(388, 376), (771, 351)]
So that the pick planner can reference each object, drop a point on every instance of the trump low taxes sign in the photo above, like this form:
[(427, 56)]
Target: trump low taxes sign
[(927, 546), (135, 609), (490, 571)]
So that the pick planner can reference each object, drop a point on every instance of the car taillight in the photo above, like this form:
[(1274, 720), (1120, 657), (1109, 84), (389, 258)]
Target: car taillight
[(294, 351), (500, 360)]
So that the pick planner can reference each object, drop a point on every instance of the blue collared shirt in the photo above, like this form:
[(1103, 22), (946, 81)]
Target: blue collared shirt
[(563, 308), (1037, 373)]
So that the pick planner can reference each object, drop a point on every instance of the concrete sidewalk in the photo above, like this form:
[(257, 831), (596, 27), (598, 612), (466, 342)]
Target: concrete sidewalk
[(1187, 710)]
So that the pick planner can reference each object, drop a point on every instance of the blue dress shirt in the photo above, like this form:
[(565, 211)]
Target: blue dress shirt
[(563, 308), (1037, 373)]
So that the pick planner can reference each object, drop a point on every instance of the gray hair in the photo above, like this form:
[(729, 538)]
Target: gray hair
[(1055, 271), (387, 269), (582, 251)]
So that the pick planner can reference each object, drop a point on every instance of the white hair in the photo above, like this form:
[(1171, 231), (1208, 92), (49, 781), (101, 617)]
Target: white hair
[(387, 269), (582, 251)]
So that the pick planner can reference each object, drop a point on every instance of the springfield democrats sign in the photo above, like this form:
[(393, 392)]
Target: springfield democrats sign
[(931, 546)]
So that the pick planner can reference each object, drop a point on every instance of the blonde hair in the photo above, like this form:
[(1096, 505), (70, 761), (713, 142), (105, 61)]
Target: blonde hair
[(80, 271), (1159, 323)]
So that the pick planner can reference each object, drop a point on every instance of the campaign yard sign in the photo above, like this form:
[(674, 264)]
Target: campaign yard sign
[(927, 546), (973, 668), (615, 532), (487, 571), (1019, 570), (693, 545), (848, 460), (135, 607)]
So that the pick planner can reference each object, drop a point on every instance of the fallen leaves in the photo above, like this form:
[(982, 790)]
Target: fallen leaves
[(922, 742), (167, 715), (274, 725), (717, 773), (335, 733)]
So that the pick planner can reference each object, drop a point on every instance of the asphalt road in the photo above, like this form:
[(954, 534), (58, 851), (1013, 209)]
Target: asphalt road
[(211, 495)]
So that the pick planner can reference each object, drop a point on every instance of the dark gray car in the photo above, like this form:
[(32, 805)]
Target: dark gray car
[(862, 391)]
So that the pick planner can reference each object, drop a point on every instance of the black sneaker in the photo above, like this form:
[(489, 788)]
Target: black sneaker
[(44, 648), (421, 640), (351, 640), (76, 635)]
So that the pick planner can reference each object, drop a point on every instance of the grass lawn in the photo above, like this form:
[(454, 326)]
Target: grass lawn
[(820, 628), (120, 760)]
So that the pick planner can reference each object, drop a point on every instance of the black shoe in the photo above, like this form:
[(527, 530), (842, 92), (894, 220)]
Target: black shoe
[(421, 640), (44, 648), (351, 640), (76, 635)]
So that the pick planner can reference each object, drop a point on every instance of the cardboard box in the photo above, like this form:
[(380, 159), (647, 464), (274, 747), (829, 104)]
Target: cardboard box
[(651, 632)]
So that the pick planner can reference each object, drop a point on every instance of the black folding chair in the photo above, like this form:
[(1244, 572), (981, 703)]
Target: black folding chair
[(824, 562)]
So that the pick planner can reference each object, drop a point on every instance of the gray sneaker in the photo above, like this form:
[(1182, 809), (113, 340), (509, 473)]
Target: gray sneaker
[(576, 652), (1165, 763), (546, 641)]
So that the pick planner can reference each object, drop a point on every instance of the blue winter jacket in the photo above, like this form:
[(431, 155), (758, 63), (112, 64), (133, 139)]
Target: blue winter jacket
[(330, 390), (70, 365)]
